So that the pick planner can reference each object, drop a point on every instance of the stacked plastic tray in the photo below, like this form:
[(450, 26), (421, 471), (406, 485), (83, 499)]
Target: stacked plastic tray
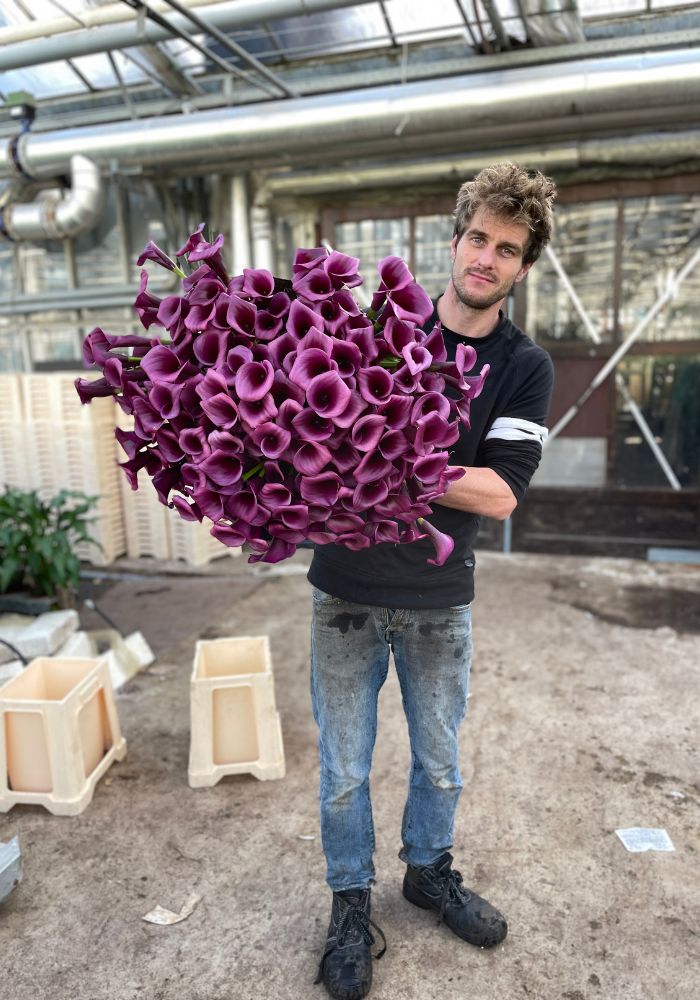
[(14, 467), (72, 447)]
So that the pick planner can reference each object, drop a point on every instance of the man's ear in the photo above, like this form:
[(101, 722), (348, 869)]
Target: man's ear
[(453, 245), (522, 273)]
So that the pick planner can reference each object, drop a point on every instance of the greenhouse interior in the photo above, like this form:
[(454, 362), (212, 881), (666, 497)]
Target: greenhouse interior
[(287, 142), (285, 124)]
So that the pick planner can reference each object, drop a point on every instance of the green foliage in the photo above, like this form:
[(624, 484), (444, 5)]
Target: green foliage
[(38, 538)]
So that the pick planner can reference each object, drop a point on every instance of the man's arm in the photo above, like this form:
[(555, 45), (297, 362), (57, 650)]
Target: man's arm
[(480, 491)]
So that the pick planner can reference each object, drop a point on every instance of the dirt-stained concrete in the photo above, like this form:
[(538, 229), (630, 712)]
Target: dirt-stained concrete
[(583, 719)]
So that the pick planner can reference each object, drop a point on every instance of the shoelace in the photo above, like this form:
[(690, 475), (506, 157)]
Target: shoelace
[(354, 917), (452, 892)]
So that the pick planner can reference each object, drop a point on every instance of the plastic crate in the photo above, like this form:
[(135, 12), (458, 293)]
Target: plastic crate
[(15, 468), (235, 727), (11, 405), (52, 396), (59, 733), (145, 520)]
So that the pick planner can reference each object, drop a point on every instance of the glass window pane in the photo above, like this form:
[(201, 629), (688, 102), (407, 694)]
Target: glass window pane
[(584, 243), (666, 390), (432, 252), (371, 240), (660, 235)]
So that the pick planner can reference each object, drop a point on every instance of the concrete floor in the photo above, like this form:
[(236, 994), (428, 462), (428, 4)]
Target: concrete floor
[(583, 719)]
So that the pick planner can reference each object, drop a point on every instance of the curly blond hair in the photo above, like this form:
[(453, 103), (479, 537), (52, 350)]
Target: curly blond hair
[(510, 192)]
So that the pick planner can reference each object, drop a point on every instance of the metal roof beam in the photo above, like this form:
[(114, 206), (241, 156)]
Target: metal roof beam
[(210, 29)]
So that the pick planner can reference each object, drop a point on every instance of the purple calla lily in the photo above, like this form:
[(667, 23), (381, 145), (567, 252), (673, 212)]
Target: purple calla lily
[(442, 542), (327, 394), (254, 380), (153, 252)]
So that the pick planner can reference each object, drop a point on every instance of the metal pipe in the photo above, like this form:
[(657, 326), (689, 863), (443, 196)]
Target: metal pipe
[(651, 148), (55, 217), (227, 17), (240, 225), (459, 110)]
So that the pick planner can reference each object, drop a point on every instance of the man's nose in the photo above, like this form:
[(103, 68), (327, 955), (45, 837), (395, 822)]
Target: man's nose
[(487, 255)]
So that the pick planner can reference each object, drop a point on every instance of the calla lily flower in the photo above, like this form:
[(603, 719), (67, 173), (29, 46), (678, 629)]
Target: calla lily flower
[(307, 259), (153, 252), (367, 431), (223, 469), (417, 358), (272, 440), (311, 458), (371, 468), (442, 542), (186, 509), (309, 364), (411, 304), (394, 274), (313, 285), (221, 410), (311, 426), (342, 270), (162, 365), (254, 380), (89, 389), (257, 282), (242, 316), (145, 304), (301, 319), (366, 495), (375, 384), (327, 394), (321, 489)]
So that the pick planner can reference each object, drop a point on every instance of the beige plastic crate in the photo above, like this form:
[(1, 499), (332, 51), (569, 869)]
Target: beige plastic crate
[(52, 396), (15, 468), (59, 733), (145, 520), (235, 727), (193, 542), (11, 405)]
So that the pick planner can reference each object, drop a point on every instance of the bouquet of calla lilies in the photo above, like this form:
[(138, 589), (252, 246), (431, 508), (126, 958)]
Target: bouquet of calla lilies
[(281, 411)]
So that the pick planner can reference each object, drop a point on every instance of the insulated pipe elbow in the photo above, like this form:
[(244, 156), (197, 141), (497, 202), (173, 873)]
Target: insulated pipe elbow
[(55, 217)]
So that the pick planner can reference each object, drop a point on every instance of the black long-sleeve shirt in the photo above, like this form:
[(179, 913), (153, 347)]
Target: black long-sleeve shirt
[(506, 435)]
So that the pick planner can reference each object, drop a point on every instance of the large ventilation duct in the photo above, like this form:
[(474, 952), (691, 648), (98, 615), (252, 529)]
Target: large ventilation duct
[(54, 217), (653, 150), (657, 87)]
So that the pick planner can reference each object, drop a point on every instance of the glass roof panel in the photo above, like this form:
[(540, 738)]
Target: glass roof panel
[(43, 81)]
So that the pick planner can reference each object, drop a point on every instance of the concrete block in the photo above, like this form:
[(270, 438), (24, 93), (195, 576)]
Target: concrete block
[(47, 633), (77, 644), (10, 867)]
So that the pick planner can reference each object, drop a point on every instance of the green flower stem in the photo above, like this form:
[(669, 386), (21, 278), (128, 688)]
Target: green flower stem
[(390, 362), (259, 468)]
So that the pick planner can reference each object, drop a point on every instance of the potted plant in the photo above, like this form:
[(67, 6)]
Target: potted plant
[(38, 565)]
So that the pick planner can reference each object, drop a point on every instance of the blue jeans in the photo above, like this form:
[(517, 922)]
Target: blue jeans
[(350, 645)]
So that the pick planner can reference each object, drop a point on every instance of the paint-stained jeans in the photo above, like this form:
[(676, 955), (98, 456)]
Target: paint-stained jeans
[(350, 646)]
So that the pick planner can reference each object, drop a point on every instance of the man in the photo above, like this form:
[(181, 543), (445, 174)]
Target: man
[(388, 597)]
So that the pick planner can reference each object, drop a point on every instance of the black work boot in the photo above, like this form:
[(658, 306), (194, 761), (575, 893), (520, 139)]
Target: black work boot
[(438, 887), (346, 966)]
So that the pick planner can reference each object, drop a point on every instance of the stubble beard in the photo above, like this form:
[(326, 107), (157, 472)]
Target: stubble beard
[(490, 298)]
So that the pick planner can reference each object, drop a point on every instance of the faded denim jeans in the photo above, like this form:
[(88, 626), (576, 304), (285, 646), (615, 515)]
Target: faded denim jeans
[(350, 646)]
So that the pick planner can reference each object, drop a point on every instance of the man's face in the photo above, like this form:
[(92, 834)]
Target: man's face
[(487, 259)]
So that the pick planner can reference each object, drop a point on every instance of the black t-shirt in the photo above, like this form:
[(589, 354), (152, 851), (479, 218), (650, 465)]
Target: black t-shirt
[(506, 435)]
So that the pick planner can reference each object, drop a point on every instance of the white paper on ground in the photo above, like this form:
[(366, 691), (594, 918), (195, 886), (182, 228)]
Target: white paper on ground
[(638, 838), (159, 915)]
